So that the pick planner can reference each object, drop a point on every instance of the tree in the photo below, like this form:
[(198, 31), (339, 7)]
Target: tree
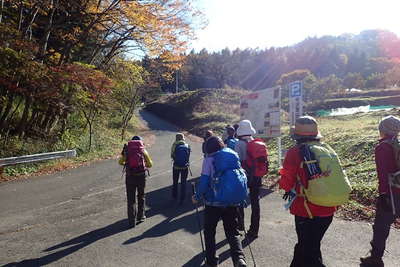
[(376, 80), (129, 90), (392, 76), (354, 80)]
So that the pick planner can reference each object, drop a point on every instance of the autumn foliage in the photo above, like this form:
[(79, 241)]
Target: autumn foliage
[(57, 59)]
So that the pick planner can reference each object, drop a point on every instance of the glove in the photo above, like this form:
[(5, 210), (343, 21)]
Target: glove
[(194, 200), (289, 195)]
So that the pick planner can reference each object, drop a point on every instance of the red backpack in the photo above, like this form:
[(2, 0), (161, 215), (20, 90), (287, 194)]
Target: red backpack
[(135, 156), (257, 158)]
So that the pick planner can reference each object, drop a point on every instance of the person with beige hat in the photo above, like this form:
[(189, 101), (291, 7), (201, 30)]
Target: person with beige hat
[(387, 159), (312, 219)]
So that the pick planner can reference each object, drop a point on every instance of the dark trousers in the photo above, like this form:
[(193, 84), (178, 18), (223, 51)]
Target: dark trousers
[(183, 173), (383, 220), (133, 184), (307, 252), (254, 184), (229, 219)]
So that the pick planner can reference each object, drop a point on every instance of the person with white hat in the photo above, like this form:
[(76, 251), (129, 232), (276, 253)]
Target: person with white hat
[(253, 157), (387, 159)]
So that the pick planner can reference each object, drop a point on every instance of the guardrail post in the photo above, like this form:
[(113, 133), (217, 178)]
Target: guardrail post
[(1, 172)]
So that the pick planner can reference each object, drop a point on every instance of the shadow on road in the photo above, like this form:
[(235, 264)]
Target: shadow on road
[(159, 202), (200, 258), (75, 244)]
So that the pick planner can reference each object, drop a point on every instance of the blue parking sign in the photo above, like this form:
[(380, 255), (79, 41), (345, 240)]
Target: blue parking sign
[(295, 89)]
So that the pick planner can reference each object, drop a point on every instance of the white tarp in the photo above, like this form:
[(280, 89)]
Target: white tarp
[(262, 108)]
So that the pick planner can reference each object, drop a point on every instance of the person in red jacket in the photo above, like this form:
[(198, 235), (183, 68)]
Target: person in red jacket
[(386, 210), (311, 220)]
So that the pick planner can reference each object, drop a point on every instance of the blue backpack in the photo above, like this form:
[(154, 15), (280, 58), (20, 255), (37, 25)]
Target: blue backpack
[(182, 154), (231, 143), (229, 184)]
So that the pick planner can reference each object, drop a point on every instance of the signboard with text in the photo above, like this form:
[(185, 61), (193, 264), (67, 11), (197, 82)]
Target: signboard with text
[(262, 108), (295, 101)]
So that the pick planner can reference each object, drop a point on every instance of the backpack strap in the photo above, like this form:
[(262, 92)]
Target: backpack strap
[(303, 195)]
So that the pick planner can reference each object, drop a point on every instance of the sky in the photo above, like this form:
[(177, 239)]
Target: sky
[(278, 23)]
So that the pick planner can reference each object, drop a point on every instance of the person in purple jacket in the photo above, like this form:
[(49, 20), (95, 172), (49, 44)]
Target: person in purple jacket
[(388, 203), (216, 210)]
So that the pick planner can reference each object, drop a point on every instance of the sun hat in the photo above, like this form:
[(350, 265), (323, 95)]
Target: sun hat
[(245, 128), (306, 127), (179, 137), (389, 125)]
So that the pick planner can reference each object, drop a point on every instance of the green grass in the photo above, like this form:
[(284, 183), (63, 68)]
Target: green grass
[(200, 110), (106, 143)]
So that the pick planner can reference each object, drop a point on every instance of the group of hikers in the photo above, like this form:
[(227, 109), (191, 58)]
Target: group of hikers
[(314, 182)]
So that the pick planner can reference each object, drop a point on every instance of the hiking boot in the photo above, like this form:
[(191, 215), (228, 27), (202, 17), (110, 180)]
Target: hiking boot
[(240, 263), (142, 219), (252, 235), (372, 261)]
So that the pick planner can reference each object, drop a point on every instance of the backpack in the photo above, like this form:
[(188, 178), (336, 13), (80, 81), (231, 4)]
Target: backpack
[(229, 182), (181, 155), (330, 188), (257, 158), (135, 156), (394, 178), (231, 143)]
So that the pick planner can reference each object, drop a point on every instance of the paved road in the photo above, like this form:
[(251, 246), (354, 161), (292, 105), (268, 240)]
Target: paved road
[(78, 218)]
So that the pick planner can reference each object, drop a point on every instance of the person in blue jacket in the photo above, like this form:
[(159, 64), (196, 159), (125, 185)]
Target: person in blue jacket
[(221, 207)]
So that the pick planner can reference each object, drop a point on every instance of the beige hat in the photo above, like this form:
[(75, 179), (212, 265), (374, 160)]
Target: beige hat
[(390, 125), (245, 128), (306, 126)]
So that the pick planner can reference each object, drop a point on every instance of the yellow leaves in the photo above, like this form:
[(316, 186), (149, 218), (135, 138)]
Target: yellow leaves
[(161, 25)]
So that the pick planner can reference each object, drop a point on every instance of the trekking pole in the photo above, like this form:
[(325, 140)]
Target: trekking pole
[(190, 171), (246, 237), (123, 171), (198, 219)]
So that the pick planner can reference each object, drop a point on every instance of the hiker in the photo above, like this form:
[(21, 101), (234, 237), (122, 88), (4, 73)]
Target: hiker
[(230, 141), (309, 163), (235, 126), (387, 159), (180, 154), (207, 135), (221, 172), (136, 161), (253, 157)]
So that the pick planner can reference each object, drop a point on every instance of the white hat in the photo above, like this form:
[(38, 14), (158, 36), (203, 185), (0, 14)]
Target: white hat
[(245, 128)]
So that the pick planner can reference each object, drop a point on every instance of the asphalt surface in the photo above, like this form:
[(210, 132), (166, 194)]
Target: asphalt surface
[(78, 218)]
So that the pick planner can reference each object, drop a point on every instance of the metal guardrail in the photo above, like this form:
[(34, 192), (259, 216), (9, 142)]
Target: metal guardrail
[(37, 157)]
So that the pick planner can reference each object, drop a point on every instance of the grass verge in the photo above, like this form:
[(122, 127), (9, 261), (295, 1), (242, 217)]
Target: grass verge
[(107, 144)]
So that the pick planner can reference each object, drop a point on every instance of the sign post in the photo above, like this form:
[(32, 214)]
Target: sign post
[(263, 109), (295, 101)]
